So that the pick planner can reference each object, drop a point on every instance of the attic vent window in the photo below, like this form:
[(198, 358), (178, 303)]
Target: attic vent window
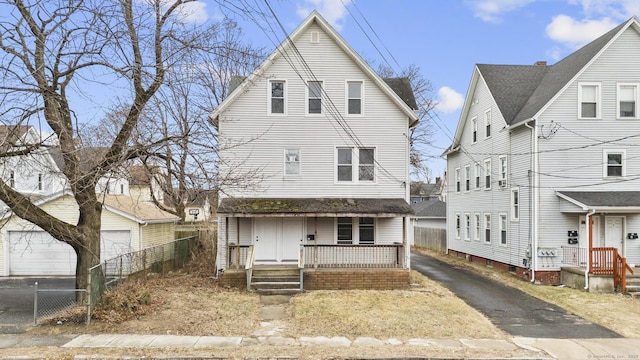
[(315, 37)]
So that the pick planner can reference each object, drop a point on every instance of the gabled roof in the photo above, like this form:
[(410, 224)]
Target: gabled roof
[(138, 211), (603, 200), (285, 46), (430, 209)]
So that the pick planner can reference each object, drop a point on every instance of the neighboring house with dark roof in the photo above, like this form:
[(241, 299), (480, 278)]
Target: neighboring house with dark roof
[(328, 138), (430, 213), (421, 191), (544, 162)]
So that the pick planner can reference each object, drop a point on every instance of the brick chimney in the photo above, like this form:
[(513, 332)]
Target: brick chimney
[(540, 63)]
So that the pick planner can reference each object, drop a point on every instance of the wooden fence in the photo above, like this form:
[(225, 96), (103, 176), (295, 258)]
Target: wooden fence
[(430, 238)]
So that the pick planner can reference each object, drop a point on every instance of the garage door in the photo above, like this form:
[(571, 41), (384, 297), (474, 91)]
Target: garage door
[(114, 243), (38, 253)]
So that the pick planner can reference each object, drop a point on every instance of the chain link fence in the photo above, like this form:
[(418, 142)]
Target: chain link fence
[(58, 306)]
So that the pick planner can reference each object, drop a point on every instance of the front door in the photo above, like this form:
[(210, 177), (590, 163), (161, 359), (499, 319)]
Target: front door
[(613, 235), (277, 239)]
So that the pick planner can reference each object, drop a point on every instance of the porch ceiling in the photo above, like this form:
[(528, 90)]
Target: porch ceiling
[(320, 207), (603, 201)]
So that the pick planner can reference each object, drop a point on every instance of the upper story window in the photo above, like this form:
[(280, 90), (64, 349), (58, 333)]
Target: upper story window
[(614, 161), (350, 162), (467, 178), (457, 226), (12, 179), (503, 229), (503, 171), (277, 96), (487, 228), (314, 97), (354, 97), (458, 180), (467, 226), (478, 175), (589, 98), (292, 161), (515, 204), (487, 123), (627, 101), (474, 125), (487, 174), (476, 232)]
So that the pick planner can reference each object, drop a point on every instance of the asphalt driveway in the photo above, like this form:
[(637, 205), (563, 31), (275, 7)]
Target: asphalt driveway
[(510, 309), (17, 298)]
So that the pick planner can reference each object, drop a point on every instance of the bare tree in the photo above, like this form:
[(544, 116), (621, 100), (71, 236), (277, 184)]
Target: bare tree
[(52, 52)]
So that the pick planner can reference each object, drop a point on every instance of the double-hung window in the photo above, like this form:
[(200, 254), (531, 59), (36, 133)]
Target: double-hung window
[(474, 125), (487, 228), (345, 230), (314, 97), (353, 230), (366, 231), (467, 226), (292, 161), (458, 180), (614, 161), (478, 175), (589, 98), (476, 232), (40, 182), (515, 204), (467, 178), (354, 98), (277, 97), (627, 101), (487, 123), (12, 179), (503, 229), (503, 171), (359, 161), (457, 226), (487, 174)]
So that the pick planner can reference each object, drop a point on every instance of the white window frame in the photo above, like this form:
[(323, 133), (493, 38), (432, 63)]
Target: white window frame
[(515, 204), (474, 128), (476, 231), (504, 169), (467, 227), (504, 229), (478, 170), (347, 98), (487, 123), (287, 160), (605, 161), (487, 226), (635, 101), (360, 226), (457, 180), (355, 165), (457, 225), (269, 97), (487, 174), (598, 99), (467, 178), (344, 242), (308, 98)]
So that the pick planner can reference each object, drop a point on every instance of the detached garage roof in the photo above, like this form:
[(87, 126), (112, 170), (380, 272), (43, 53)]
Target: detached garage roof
[(321, 207), (138, 211)]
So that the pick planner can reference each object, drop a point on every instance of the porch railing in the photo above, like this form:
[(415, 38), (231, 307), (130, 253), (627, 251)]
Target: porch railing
[(604, 261), (237, 256), (354, 256), (575, 256)]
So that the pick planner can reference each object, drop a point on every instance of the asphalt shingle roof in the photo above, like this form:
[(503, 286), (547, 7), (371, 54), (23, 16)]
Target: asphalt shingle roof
[(431, 208), (605, 198), (302, 206)]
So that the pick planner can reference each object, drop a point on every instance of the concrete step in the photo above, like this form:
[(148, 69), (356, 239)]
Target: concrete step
[(278, 291), (275, 285)]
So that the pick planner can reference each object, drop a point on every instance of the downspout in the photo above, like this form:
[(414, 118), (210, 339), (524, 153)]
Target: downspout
[(590, 233), (533, 193)]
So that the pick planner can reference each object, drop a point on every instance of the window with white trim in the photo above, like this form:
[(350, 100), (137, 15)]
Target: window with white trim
[(366, 231), (467, 226), (474, 125), (614, 163), (355, 230), (361, 162), (589, 100), (277, 96), (487, 228), (503, 229), (467, 178), (458, 180), (627, 101), (12, 179), (292, 161), (345, 230), (487, 123), (515, 204), (354, 98), (314, 97), (487, 174), (457, 226), (476, 232), (503, 170), (478, 175)]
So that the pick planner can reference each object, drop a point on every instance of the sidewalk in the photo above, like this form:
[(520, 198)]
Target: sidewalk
[(519, 347)]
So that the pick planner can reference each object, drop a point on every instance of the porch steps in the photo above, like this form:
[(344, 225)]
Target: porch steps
[(276, 279), (633, 285)]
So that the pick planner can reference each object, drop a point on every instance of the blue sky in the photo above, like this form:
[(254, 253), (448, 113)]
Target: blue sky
[(446, 38)]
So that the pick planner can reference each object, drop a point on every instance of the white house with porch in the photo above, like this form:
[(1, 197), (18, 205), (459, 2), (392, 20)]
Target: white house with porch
[(322, 142)]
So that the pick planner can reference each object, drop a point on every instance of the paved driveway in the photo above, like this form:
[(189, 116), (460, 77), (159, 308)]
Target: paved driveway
[(510, 309), (16, 300)]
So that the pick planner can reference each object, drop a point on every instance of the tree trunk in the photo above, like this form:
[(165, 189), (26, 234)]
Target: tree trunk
[(88, 253)]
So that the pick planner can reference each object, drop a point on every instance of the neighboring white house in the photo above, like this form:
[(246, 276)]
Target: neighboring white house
[(546, 157), (329, 140)]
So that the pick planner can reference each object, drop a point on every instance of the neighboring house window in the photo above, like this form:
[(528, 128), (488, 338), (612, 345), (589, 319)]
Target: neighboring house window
[(589, 97), (515, 204), (503, 229), (366, 231), (40, 182), (476, 232), (277, 94), (467, 226), (474, 124), (503, 171), (12, 179), (627, 100), (121, 188), (614, 163), (457, 226), (364, 166), (487, 174), (487, 228), (467, 178), (292, 161), (314, 97), (354, 97), (345, 231), (458, 180), (478, 175), (487, 123)]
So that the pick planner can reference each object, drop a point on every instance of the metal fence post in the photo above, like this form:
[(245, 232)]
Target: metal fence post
[(35, 304)]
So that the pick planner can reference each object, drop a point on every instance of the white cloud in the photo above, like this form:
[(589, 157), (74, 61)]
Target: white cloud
[(575, 33), (193, 12), (492, 10), (617, 9), (449, 100), (334, 11)]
